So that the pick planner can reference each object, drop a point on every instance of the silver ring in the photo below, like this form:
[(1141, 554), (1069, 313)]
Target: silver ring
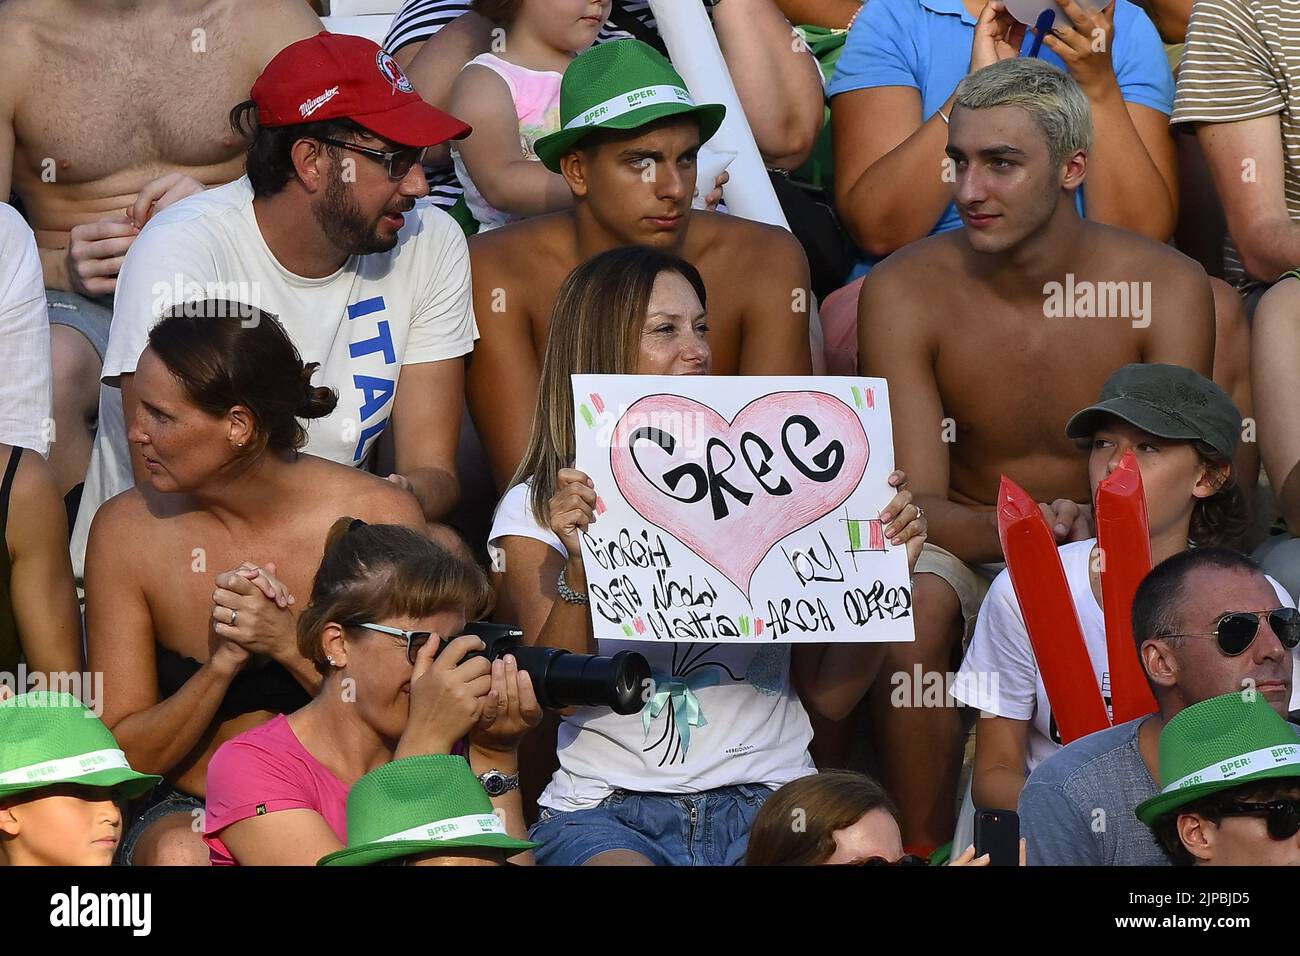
[(234, 615), (920, 512)]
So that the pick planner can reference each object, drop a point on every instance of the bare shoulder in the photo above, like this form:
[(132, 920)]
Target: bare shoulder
[(359, 493), (20, 21), (742, 242), (269, 26), (519, 248), (36, 511), (1129, 252), (120, 514), (477, 80), (921, 260), (33, 480), (914, 281)]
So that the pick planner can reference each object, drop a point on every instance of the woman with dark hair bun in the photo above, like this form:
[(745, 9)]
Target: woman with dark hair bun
[(193, 576)]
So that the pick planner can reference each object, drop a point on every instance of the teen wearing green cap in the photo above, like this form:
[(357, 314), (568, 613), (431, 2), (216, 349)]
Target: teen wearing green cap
[(63, 780), (1182, 429), (1230, 794), (1206, 622), (424, 811), (629, 133)]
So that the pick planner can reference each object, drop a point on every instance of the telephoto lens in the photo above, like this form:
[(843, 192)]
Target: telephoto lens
[(564, 679)]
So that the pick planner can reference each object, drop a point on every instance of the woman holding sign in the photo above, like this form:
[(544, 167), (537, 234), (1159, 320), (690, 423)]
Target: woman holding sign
[(1183, 431), (735, 727)]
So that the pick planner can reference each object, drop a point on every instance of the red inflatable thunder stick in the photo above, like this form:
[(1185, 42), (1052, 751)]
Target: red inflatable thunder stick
[(1050, 618), (1125, 545)]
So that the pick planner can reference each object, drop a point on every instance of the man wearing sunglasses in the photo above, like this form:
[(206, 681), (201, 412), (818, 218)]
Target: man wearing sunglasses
[(330, 231), (1206, 622), (1231, 796)]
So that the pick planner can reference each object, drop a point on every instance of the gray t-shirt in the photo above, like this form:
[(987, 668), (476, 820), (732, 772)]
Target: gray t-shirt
[(1077, 808)]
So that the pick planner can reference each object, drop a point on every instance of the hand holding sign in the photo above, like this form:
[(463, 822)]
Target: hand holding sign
[(572, 508)]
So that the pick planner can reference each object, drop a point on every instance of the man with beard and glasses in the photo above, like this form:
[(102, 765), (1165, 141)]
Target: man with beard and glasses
[(327, 231), (1206, 622)]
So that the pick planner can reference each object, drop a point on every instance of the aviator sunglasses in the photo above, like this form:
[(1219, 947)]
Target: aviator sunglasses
[(1237, 630)]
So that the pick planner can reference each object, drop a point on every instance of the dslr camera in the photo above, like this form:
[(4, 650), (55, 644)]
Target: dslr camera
[(564, 679)]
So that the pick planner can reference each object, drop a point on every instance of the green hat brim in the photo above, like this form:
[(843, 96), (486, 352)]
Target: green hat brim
[(128, 783), (368, 854), (1151, 811), (550, 148)]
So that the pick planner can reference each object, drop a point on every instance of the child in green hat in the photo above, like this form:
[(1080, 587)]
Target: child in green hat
[(63, 779), (1230, 786), (428, 810)]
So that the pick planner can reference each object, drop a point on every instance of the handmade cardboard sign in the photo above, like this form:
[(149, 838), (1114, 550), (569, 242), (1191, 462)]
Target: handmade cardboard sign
[(741, 509)]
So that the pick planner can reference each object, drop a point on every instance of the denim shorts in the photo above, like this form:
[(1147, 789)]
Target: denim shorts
[(162, 801), (710, 828)]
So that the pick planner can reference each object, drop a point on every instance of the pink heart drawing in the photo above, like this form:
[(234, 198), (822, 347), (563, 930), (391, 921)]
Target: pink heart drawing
[(731, 490)]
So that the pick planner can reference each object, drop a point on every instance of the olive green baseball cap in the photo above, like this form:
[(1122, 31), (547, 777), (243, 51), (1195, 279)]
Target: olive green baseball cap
[(417, 805), (47, 739), (1220, 744), (1167, 401), (622, 85)]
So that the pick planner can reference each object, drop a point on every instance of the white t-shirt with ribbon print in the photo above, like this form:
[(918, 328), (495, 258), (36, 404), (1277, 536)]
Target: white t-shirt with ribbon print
[(721, 715)]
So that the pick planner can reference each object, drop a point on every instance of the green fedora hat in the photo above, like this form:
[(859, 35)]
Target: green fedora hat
[(1219, 744), (620, 85), (418, 804), (48, 739)]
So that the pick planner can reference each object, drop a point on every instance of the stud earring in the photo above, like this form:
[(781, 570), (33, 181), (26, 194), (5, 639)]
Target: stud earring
[(331, 661)]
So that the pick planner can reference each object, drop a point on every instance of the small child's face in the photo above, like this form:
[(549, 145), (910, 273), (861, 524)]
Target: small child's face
[(566, 24), (62, 826)]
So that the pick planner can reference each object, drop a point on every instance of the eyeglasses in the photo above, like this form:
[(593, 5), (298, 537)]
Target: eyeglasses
[(415, 640), (1283, 815), (398, 161), (1237, 630)]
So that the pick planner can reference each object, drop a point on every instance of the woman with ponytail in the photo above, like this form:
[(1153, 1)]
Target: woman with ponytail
[(192, 576), (397, 682)]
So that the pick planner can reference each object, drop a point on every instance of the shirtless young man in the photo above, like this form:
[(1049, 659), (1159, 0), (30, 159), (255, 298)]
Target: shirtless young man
[(987, 356), (633, 177), (109, 111)]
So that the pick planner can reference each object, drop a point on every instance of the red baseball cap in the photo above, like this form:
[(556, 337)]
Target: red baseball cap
[(336, 76)]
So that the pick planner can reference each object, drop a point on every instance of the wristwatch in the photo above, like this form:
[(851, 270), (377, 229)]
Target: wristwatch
[(496, 783)]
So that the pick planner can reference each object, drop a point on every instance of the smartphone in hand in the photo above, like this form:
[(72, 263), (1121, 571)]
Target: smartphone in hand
[(997, 833)]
